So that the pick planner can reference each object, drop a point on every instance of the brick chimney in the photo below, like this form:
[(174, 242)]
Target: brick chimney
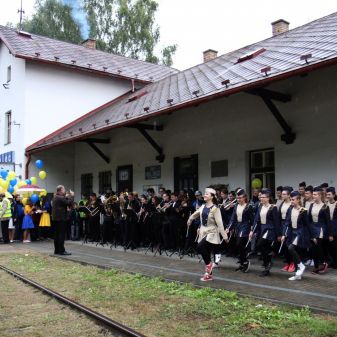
[(89, 43), (280, 26), (210, 54)]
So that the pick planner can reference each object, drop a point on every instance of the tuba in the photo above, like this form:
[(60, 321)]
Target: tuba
[(108, 205)]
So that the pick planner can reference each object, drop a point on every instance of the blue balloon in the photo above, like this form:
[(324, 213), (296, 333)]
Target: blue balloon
[(10, 189), (39, 164), (13, 182), (4, 174), (34, 198), (28, 181)]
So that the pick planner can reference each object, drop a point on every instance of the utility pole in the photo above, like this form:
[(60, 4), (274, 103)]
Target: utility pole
[(21, 11)]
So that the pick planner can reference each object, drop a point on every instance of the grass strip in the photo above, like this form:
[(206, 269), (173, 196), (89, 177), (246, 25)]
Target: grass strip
[(158, 308)]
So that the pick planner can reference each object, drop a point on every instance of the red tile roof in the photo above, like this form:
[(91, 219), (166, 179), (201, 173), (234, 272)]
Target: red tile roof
[(300, 50), (43, 49)]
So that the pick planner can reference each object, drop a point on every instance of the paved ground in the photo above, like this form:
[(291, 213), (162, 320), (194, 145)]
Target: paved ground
[(317, 292)]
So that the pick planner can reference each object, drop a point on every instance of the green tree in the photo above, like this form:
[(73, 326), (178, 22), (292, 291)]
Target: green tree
[(55, 20), (127, 27)]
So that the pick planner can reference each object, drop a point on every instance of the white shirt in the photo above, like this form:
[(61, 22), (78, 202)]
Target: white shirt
[(307, 204), (278, 203), (315, 211), (263, 214), (284, 209), (331, 208), (294, 217), (239, 211)]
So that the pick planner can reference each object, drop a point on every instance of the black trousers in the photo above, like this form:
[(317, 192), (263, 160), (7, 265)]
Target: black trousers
[(206, 248), (318, 252), (264, 246), (333, 251), (294, 253), (241, 243), (60, 228), (4, 230)]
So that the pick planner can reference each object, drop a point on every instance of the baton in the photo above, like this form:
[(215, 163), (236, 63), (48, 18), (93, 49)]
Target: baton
[(282, 243), (249, 240)]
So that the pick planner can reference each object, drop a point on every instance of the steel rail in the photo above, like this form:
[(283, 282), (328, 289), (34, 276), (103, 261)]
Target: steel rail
[(91, 313)]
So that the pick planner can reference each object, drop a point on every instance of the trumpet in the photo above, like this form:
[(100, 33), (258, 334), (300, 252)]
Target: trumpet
[(228, 205), (165, 206)]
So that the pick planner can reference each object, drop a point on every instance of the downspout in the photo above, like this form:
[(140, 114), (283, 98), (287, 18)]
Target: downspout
[(132, 85), (29, 157)]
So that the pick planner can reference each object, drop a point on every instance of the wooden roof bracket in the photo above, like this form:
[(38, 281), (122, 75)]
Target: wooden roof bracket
[(97, 150), (289, 136), (161, 156)]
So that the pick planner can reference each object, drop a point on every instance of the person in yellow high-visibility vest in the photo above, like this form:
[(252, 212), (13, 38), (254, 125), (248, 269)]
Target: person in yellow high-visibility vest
[(5, 216)]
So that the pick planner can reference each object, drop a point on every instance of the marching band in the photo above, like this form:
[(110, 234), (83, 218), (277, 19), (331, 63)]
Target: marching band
[(300, 226)]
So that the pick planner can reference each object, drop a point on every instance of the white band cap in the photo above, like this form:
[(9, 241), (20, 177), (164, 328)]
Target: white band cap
[(210, 190)]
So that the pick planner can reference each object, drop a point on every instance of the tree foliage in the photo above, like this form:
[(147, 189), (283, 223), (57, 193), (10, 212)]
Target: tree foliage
[(127, 27), (54, 19)]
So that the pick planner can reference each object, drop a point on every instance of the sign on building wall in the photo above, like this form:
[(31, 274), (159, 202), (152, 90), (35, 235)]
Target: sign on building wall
[(153, 172), (7, 158)]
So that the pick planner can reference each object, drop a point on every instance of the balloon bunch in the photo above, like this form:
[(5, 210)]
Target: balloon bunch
[(10, 184)]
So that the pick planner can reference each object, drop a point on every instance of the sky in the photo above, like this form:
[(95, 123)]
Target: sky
[(198, 25)]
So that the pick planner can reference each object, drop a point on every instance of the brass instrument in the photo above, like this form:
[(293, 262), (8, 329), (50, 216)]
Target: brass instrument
[(108, 205), (122, 202), (228, 204), (165, 206)]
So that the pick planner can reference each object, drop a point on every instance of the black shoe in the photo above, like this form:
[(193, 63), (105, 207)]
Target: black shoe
[(65, 253), (245, 267), (239, 268), (265, 273)]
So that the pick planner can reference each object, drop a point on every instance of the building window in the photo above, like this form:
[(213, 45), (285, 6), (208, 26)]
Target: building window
[(219, 168), (8, 127), (86, 183), (262, 166), (9, 74), (104, 181)]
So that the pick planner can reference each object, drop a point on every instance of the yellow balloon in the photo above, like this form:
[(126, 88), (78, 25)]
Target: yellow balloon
[(42, 175), (21, 183), (2, 183), (24, 201), (43, 193), (33, 180), (1, 189), (11, 175)]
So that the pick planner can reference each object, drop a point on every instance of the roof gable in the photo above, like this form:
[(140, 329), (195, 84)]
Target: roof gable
[(43, 49)]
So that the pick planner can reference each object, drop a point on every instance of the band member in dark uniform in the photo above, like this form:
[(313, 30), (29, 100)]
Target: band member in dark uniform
[(131, 209), (240, 225), (209, 231), (268, 229), (94, 218), (162, 208), (283, 209), (176, 223), (332, 204), (319, 218), (143, 228), (192, 229), (109, 214), (296, 233)]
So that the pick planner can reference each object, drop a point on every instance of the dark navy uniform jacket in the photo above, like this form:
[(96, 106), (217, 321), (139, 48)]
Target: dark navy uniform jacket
[(332, 228), (302, 232), (323, 222), (272, 224), (242, 228)]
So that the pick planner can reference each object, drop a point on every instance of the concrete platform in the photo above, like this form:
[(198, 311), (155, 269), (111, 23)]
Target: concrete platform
[(319, 292)]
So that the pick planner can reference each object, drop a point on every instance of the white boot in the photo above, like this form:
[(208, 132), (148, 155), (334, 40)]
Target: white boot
[(295, 277), (217, 258), (300, 270)]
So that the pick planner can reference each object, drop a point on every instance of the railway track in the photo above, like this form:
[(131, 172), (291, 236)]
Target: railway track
[(117, 328)]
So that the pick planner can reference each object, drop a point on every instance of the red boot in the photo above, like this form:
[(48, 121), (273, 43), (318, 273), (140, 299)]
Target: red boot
[(291, 268), (285, 268)]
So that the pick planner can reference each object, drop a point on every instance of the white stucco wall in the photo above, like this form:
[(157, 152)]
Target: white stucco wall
[(229, 128), (55, 96), (12, 99)]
